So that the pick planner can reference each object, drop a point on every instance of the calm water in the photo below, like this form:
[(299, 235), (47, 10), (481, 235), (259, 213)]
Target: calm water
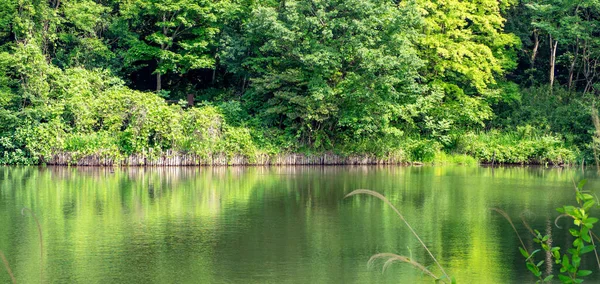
[(272, 225)]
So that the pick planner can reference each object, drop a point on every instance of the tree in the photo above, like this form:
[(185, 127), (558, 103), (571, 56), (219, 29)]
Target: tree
[(325, 69), (176, 34), (466, 50)]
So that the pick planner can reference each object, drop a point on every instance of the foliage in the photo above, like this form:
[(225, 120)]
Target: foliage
[(524, 146), (410, 79), (333, 69), (569, 259)]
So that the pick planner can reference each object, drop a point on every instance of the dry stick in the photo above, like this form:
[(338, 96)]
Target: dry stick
[(12, 276), (378, 195), (41, 241)]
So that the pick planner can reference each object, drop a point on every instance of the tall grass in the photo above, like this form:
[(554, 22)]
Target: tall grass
[(39, 227), (37, 222), (391, 257), (12, 276), (527, 145)]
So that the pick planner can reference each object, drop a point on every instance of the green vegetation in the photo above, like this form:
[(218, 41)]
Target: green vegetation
[(500, 81), (568, 259)]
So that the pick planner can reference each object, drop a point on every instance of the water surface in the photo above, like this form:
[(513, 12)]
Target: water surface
[(273, 225)]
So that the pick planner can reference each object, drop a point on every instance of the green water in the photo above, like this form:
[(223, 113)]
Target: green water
[(272, 225)]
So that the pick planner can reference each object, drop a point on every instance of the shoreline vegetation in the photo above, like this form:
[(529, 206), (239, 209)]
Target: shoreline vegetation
[(182, 159), (229, 82)]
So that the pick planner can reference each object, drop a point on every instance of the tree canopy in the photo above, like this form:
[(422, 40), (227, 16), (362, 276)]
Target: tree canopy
[(343, 75)]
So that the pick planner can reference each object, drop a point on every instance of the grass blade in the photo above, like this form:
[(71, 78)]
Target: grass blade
[(12, 276), (37, 222), (386, 201)]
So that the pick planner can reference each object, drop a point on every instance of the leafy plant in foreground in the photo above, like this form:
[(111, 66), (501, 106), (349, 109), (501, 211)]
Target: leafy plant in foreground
[(569, 260)]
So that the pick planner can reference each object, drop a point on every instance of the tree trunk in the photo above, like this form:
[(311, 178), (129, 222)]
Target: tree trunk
[(158, 82), (536, 45), (553, 46), (572, 67)]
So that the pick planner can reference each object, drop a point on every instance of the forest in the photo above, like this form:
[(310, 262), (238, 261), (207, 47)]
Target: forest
[(504, 81)]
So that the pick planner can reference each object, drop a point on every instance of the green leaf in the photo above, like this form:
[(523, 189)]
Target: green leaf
[(565, 261), (574, 232), (540, 263), (564, 278), (584, 273), (576, 261), (586, 249), (584, 235), (532, 268), (524, 252), (588, 204), (581, 183), (569, 210), (548, 278), (577, 242), (587, 196), (533, 253)]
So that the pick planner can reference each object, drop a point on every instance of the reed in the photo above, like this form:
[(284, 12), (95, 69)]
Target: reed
[(391, 257), (10, 273), (174, 158), (37, 222)]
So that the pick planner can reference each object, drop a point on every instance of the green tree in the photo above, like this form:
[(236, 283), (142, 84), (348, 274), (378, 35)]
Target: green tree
[(466, 50), (176, 34), (326, 69)]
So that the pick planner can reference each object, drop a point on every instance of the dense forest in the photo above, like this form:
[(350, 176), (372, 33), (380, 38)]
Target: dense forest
[(507, 81)]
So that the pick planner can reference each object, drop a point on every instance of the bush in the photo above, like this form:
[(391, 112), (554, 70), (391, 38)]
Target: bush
[(525, 146)]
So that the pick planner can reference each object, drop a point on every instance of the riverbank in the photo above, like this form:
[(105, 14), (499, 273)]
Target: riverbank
[(172, 158)]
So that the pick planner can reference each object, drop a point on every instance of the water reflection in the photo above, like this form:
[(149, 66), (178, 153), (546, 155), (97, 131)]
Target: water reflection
[(271, 224)]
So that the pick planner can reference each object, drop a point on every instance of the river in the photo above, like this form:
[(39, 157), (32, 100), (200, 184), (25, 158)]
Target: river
[(275, 224)]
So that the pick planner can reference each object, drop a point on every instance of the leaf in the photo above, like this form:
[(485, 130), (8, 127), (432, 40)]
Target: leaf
[(564, 278), (540, 263), (588, 204), (532, 253), (565, 261), (581, 183), (532, 268), (577, 242), (584, 273), (585, 235), (576, 261), (548, 278), (586, 249), (524, 252), (574, 232), (587, 196)]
